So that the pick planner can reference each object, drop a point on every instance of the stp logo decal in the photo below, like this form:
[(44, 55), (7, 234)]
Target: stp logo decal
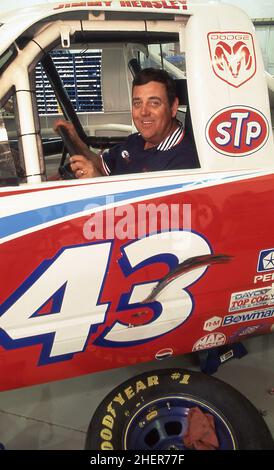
[(237, 131), (232, 56)]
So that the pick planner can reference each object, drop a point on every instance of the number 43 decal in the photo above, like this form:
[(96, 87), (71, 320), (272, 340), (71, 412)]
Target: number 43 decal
[(73, 282)]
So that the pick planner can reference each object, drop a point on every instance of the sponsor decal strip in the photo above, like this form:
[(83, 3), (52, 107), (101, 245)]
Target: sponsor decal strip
[(251, 298), (248, 316)]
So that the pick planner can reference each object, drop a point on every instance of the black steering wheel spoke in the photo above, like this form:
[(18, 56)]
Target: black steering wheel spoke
[(64, 169)]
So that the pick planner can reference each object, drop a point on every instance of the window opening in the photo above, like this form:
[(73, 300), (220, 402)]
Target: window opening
[(81, 76), (163, 55)]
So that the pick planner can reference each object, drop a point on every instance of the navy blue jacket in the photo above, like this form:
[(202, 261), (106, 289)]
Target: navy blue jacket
[(175, 152)]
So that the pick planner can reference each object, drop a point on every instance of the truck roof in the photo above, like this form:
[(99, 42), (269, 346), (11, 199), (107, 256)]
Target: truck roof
[(15, 22)]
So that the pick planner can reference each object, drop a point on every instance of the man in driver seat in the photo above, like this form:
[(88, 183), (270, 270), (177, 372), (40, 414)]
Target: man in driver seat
[(159, 144)]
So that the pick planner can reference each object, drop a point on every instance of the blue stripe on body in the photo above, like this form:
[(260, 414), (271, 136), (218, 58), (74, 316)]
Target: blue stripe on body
[(25, 220)]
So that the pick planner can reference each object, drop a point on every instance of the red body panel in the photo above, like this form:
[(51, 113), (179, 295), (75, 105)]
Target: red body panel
[(236, 219)]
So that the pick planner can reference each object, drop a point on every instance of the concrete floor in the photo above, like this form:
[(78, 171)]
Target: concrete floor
[(56, 415)]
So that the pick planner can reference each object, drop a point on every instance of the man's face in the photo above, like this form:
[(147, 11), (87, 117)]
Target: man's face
[(152, 113)]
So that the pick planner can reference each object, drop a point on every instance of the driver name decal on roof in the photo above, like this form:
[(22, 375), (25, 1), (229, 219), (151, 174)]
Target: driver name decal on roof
[(232, 56), (166, 4)]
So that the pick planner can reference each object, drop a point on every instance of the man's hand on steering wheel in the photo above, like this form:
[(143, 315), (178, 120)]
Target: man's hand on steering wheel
[(82, 167), (83, 163), (69, 128)]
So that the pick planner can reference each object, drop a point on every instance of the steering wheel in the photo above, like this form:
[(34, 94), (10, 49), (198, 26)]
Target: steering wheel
[(64, 169)]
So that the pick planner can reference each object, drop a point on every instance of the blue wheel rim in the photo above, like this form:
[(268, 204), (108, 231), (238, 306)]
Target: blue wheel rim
[(162, 423)]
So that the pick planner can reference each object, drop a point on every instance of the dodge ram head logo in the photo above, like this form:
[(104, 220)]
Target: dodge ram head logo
[(232, 56)]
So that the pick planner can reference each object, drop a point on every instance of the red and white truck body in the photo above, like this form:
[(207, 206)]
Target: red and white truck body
[(106, 272)]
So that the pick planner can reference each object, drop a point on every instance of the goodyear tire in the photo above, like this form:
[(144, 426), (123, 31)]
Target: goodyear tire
[(149, 412)]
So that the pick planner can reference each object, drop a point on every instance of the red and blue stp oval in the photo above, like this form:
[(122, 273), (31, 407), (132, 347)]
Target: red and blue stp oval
[(237, 131)]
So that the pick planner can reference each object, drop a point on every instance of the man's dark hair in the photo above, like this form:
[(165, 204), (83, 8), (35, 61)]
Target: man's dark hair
[(156, 75)]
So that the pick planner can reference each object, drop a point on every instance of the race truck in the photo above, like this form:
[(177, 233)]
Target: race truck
[(105, 272)]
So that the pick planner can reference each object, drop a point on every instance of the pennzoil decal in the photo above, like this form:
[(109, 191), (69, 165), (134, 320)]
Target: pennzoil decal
[(237, 131), (232, 56)]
